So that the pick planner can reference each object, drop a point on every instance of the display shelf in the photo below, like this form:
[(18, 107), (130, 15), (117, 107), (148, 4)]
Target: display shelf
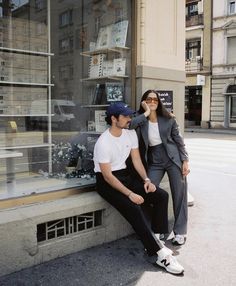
[(94, 105), (24, 83), (102, 78), (29, 52), (91, 132), (26, 146), (25, 115), (105, 51)]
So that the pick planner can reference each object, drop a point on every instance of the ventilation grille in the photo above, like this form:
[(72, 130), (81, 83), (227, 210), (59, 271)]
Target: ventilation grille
[(67, 226)]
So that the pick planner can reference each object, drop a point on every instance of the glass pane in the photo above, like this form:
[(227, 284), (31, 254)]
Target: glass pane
[(22, 25), (53, 101), (233, 110), (231, 55)]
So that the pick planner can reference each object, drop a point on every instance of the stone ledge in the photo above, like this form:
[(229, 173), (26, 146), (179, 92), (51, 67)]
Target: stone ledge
[(18, 230)]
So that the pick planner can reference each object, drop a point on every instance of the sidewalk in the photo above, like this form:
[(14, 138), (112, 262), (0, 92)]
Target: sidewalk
[(208, 256), (231, 131)]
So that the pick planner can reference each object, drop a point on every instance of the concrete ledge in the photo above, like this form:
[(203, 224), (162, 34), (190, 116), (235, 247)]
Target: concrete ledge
[(18, 230)]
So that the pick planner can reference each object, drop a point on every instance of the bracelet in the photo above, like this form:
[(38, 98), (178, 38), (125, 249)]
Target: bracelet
[(146, 180), (130, 193)]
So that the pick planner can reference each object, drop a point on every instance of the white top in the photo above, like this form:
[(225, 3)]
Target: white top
[(114, 150), (154, 137)]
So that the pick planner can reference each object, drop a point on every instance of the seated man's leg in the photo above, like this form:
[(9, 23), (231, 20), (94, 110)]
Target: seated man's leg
[(132, 212), (158, 203)]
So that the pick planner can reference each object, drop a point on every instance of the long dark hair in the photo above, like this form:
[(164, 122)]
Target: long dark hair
[(161, 110)]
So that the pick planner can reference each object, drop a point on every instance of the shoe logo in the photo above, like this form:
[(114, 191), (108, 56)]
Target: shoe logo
[(165, 262)]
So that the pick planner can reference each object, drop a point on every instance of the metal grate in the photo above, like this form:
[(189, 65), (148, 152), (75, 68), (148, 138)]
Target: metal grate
[(69, 225)]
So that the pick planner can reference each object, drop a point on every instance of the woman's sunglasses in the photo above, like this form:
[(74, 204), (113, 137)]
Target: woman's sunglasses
[(151, 99)]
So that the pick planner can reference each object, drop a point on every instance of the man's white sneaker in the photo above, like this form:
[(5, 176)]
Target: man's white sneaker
[(169, 262), (160, 236), (179, 239)]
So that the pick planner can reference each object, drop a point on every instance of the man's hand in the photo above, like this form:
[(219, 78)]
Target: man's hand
[(185, 169), (149, 187), (137, 199)]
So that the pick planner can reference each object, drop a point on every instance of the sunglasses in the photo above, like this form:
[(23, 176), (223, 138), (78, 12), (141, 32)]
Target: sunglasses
[(151, 99)]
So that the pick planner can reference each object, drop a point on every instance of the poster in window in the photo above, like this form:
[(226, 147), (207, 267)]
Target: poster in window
[(95, 65), (104, 37), (119, 66), (166, 97), (100, 122), (119, 34), (114, 91)]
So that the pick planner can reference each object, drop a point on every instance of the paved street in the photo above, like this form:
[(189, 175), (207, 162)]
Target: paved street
[(209, 254)]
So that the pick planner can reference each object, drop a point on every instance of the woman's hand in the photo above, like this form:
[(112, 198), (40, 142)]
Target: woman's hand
[(185, 169), (137, 199), (146, 108)]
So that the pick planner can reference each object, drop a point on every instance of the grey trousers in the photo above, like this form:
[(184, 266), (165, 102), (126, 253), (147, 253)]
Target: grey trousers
[(158, 164)]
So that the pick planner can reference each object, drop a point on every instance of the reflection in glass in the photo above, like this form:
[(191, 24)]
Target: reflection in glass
[(51, 102)]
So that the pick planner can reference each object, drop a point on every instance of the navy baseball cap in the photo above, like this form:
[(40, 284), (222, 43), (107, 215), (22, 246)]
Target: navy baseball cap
[(119, 108)]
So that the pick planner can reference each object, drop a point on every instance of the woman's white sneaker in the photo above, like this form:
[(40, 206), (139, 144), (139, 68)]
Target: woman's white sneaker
[(179, 239), (169, 262)]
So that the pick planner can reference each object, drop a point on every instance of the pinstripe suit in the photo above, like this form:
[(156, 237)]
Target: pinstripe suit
[(167, 157)]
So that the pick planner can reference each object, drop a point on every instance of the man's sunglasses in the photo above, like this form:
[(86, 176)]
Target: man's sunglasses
[(151, 99)]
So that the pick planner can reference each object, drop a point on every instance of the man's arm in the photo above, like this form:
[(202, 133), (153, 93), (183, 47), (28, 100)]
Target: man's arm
[(116, 184), (138, 165)]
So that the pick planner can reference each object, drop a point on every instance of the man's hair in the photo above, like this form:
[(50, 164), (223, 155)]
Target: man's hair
[(108, 118)]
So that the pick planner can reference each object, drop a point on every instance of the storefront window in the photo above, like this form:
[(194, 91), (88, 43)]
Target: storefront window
[(61, 64)]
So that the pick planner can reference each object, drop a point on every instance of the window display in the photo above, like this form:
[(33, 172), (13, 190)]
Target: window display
[(61, 64)]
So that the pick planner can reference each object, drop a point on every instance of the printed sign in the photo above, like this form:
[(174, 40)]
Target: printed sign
[(167, 99)]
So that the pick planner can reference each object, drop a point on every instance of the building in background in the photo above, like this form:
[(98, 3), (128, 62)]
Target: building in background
[(223, 102), (198, 63)]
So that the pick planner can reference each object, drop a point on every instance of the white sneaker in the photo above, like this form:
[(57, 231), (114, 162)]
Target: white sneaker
[(169, 262), (179, 239), (190, 200), (160, 236)]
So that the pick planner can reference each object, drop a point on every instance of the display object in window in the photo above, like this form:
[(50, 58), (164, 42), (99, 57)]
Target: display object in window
[(100, 122), (113, 35), (95, 65), (114, 91)]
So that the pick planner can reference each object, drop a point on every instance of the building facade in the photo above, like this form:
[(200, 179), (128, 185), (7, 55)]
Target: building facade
[(198, 63), (223, 104), (62, 63)]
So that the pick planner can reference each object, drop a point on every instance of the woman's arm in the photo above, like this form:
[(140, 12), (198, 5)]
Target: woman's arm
[(140, 119), (178, 139)]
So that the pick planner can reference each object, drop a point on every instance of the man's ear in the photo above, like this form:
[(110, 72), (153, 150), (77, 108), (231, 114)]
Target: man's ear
[(113, 118)]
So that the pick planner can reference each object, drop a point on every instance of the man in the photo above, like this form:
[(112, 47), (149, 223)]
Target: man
[(115, 184)]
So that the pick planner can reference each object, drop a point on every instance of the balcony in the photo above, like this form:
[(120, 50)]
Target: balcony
[(194, 65), (194, 20)]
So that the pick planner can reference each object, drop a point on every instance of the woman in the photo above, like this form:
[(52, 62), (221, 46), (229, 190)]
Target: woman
[(163, 150)]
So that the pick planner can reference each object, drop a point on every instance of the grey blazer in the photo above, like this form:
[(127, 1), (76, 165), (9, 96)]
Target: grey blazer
[(170, 136)]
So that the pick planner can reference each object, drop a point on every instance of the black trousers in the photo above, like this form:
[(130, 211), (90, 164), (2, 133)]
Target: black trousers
[(134, 214)]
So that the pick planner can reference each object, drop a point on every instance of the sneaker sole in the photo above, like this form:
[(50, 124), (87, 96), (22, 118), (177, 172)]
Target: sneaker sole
[(172, 272), (177, 243)]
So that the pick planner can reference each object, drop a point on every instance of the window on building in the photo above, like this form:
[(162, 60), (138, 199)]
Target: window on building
[(231, 46), (40, 5), (232, 7), (193, 49), (66, 45), (66, 72), (192, 9), (66, 18)]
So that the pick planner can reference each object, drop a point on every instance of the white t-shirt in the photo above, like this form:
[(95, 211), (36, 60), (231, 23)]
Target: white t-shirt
[(114, 150), (154, 137)]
